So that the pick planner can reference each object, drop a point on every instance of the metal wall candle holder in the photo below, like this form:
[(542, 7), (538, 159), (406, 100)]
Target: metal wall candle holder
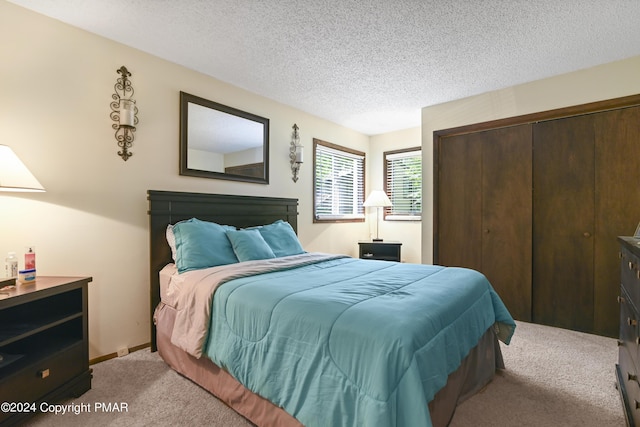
[(124, 113), (295, 153)]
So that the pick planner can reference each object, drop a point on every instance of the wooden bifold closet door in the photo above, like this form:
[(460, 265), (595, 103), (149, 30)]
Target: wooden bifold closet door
[(586, 193), (484, 210), (617, 207), (536, 204), (563, 222)]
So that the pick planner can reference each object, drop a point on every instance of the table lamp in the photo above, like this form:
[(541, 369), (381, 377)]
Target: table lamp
[(14, 175), (377, 199)]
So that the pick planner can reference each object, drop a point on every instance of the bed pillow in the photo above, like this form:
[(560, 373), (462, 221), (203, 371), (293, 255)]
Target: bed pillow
[(281, 238), (249, 245), (202, 244), (171, 240)]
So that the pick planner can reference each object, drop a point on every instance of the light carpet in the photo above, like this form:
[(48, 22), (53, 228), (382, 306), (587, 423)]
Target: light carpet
[(553, 377)]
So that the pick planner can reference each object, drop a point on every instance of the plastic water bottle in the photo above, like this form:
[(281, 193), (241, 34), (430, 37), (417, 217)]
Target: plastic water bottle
[(11, 265)]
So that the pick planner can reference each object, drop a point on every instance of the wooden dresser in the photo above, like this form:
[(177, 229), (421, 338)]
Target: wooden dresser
[(44, 345), (627, 369)]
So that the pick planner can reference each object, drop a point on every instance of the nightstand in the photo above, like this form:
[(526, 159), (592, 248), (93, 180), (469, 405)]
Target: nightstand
[(385, 250), (44, 344)]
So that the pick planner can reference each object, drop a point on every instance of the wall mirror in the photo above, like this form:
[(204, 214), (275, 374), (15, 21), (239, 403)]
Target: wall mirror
[(217, 141)]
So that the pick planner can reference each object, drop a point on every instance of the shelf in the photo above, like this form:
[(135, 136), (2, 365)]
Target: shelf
[(24, 330), (382, 251)]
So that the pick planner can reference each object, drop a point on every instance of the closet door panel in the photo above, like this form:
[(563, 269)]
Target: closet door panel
[(459, 202), (617, 192), (563, 223), (507, 215)]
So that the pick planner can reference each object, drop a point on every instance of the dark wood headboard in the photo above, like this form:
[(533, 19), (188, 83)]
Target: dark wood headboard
[(169, 207)]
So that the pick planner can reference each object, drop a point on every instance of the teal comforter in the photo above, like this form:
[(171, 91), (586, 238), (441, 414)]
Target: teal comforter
[(350, 342)]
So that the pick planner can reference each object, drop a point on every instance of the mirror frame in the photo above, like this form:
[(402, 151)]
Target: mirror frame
[(185, 100)]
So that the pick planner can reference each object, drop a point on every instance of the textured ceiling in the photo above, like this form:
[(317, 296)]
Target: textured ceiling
[(370, 65)]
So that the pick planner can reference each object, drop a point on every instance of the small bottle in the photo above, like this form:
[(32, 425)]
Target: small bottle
[(30, 258), (11, 265)]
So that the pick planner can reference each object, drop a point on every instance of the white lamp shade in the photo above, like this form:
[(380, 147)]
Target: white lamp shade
[(14, 175), (377, 199)]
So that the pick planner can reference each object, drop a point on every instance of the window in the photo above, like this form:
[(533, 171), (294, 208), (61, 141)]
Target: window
[(403, 184), (338, 183)]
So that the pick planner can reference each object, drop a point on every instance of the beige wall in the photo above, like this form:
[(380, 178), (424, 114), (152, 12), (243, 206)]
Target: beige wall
[(608, 81), (409, 233), (57, 83)]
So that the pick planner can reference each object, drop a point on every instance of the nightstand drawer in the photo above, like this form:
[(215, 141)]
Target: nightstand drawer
[(386, 251), (43, 376)]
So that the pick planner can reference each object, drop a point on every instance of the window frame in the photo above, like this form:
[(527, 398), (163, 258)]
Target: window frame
[(387, 214), (360, 217)]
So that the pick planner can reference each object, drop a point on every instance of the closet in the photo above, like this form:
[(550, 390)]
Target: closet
[(484, 210), (536, 203)]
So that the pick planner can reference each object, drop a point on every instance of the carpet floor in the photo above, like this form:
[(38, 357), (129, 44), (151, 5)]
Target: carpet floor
[(553, 377)]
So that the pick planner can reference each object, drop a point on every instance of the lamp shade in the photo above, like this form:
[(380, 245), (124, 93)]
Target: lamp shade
[(14, 175), (377, 199)]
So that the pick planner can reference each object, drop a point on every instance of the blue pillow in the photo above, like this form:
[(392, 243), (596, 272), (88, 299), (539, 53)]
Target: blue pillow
[(202, 244), (281, 238), (249, 245)]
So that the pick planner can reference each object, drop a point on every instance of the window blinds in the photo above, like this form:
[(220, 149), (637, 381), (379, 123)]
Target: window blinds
[(339, 184), (404, 184)]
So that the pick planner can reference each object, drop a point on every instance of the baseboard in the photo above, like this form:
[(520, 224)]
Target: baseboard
[(115, 354)]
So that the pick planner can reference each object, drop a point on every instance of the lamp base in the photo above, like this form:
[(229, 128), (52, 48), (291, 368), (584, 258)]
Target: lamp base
[(376, 240)]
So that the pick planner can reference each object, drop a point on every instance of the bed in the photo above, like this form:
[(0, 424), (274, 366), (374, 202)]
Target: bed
[(307, 338)]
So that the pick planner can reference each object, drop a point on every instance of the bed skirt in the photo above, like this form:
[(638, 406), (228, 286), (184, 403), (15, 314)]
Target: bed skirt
[(476, 370)]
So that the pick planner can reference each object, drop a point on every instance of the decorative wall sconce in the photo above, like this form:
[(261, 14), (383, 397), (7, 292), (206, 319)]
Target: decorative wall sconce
[(295, 153), (124, 113)]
